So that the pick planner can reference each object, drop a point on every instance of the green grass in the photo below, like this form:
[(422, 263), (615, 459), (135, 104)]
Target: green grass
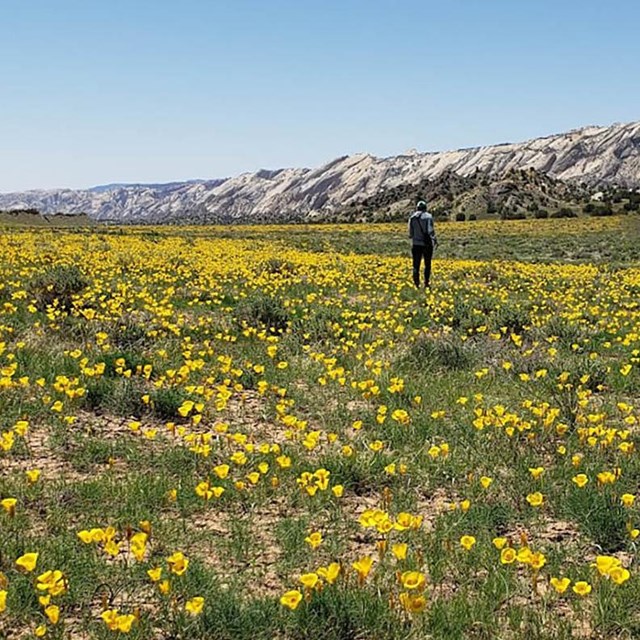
[(524, 354)]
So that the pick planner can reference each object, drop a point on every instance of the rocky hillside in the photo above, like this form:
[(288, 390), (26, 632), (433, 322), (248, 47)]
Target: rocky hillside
[(590, 157), (518, 192), (141, 203), (33, 218)]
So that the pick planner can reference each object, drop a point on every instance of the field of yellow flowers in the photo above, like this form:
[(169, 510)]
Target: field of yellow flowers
[(267, 432)]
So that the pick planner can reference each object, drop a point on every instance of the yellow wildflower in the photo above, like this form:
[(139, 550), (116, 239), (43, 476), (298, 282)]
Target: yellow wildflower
[(291, 599), (194, 606)]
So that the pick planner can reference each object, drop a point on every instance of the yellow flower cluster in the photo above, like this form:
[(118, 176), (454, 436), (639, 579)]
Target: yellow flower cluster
[(299, 423)]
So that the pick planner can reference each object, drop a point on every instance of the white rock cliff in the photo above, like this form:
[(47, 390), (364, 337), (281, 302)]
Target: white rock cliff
[(593, 155)]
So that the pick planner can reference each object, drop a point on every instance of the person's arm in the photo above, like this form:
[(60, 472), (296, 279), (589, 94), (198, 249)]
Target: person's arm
[(410, 229), (433, 232)]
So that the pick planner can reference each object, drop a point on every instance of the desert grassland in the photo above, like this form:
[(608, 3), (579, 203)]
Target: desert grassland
[(613, 240), (266, 432)]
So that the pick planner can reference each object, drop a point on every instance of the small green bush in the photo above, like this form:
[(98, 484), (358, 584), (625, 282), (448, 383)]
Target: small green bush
[(166, 402), (130, 333), (565, 212), (58, 283), (278, 265), (601, 516), (514, 215), (317, 327), (260, 309), (602, 211), (119, 397), (430, 352), (512, 315)]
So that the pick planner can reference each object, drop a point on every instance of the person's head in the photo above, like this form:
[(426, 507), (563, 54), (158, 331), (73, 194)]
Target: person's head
[(422, 205)]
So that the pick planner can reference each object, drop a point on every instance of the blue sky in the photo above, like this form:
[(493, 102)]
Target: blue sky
[(93, 92)]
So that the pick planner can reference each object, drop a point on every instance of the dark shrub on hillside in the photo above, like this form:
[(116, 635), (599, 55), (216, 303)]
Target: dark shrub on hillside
[(473, 217), (565, 212), (460, 217), (513, 215), (602, 210), (541, 214)]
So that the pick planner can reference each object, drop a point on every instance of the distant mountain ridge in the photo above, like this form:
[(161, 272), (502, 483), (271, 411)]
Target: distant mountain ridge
[(166, 186), (590, 156)]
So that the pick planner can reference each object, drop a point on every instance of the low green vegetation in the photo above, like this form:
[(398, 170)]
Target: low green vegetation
[(267, 432)]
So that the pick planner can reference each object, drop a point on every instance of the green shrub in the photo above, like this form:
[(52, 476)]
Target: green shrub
[(166, 402), (601, 516), (278, 265), (565, 212), (130, 333), (602, 211), (566, 331), (58, 283), (446, 353), (119, 397), (263, 310), (317, 326), (513, 215), (512, 315), (131, 359)]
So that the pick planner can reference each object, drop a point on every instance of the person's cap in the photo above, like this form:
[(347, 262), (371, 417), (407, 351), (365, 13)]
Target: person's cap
[(422, 205)]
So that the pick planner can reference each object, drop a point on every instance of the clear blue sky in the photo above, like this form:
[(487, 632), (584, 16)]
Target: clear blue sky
[(95, 91)]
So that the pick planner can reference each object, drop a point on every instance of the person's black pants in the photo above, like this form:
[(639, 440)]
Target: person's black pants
[(422, 253)]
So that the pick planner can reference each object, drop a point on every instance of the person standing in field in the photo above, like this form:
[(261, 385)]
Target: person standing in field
[(423, 235)]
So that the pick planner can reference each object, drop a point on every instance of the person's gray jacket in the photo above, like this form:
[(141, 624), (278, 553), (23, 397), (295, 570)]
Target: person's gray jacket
[(421, 229)]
